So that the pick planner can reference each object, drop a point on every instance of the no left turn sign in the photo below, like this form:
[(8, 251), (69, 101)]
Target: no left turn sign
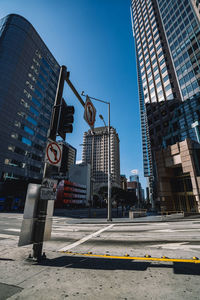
[(53, 154), (90, 112)]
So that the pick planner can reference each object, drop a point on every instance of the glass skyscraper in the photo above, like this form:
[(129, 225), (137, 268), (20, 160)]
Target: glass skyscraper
[(167, 42), (28, 82)]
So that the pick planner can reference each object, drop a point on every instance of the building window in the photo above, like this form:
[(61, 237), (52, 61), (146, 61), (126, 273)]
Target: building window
[(36, 102), (26, 141), (34, 111), (31, 120), (28, 130)]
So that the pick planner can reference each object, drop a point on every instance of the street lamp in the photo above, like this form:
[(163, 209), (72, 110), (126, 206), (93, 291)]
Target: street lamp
[(109, 181), (101, 117)]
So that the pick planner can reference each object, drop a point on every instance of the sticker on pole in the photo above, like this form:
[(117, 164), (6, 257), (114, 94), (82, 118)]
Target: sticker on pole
[(53, 154), (90, 112)]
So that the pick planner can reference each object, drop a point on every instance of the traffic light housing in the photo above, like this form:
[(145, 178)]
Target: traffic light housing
[(66, 120)]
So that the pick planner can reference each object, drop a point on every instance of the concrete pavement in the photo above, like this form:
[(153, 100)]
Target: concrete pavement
[(75, 277)]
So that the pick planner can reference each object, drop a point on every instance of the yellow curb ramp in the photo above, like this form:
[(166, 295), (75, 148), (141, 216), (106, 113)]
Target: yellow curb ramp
[(145, 258)]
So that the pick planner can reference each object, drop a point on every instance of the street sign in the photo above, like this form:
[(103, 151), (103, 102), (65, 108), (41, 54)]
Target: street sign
[(90, 112), (49, 183), (48, 189), (47, 194), (53, 154)]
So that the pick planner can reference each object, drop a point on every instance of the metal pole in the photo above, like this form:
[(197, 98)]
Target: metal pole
[(109, 185), (38, 235), (92, 165)]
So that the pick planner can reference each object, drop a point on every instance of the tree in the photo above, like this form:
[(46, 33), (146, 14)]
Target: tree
[(121, 197)]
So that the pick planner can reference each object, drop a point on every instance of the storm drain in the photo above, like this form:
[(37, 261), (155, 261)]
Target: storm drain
[(7, 290)]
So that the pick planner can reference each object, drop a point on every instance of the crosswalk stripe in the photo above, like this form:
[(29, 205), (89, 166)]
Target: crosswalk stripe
[(8, 236), (13, 229), (85, 238)]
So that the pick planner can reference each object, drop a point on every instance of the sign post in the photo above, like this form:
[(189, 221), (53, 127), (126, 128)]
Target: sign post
[(53, 157)]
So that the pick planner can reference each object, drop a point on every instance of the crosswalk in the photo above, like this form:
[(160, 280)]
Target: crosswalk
[(67, 235)]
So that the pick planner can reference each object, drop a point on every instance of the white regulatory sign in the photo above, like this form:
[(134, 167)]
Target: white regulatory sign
[(53, 154), (90, 112), (47, 194)]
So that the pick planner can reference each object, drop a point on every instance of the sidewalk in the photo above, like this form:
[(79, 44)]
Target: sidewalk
[(61, 276), (147, 219)]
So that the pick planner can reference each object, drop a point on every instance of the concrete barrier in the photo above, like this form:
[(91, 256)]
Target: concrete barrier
[(172, 216), (137, 214)]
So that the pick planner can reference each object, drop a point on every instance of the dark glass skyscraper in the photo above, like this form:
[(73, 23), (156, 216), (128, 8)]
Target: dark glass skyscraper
[(28, 83), (167, 41)]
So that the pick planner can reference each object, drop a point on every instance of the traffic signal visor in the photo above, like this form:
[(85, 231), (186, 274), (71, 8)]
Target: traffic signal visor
[(66, 120)]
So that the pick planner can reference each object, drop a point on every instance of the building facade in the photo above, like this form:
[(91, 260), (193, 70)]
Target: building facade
[(81, 174), (28, 82), (167, 43), (134, 178), (95, 152), (123, 182), (178, 169)]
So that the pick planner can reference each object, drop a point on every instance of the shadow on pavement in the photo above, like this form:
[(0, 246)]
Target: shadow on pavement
[(7, 290), (118, 264)]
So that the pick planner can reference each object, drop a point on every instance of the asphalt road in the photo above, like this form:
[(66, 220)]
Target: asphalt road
[(102, 278)]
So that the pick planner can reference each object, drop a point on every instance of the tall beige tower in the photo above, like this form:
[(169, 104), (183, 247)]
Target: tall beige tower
[(95, 152)]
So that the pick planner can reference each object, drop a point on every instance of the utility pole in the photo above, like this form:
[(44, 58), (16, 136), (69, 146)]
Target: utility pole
[(59, 106), (39, 229)]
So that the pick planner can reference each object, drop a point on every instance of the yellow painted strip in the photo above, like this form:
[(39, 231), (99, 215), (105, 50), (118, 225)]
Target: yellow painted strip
[(196, 261)]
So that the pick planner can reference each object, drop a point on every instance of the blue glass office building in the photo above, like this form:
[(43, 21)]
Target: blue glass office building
[(167, 42), (28, 82)]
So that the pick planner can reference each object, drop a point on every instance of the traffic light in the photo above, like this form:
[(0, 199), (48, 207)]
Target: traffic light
[(66, 120)]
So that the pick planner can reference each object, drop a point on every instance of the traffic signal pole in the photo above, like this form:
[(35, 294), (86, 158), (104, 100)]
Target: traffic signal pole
[(39, 228), (38, 235)]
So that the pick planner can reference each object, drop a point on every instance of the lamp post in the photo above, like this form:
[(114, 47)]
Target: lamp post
[(109, 218)]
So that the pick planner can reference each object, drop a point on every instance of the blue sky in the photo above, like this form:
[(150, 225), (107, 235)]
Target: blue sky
[(93, 38)]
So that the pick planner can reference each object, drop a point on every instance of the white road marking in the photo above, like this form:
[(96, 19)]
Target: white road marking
[(193, 229), (13, 229), (86, 238), (180, 246), (64, 229), (164, 230), (160, 224), (176, 230), (14, 217), (8, 236)]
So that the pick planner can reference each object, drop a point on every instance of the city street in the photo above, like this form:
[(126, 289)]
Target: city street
[(65, 275)]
